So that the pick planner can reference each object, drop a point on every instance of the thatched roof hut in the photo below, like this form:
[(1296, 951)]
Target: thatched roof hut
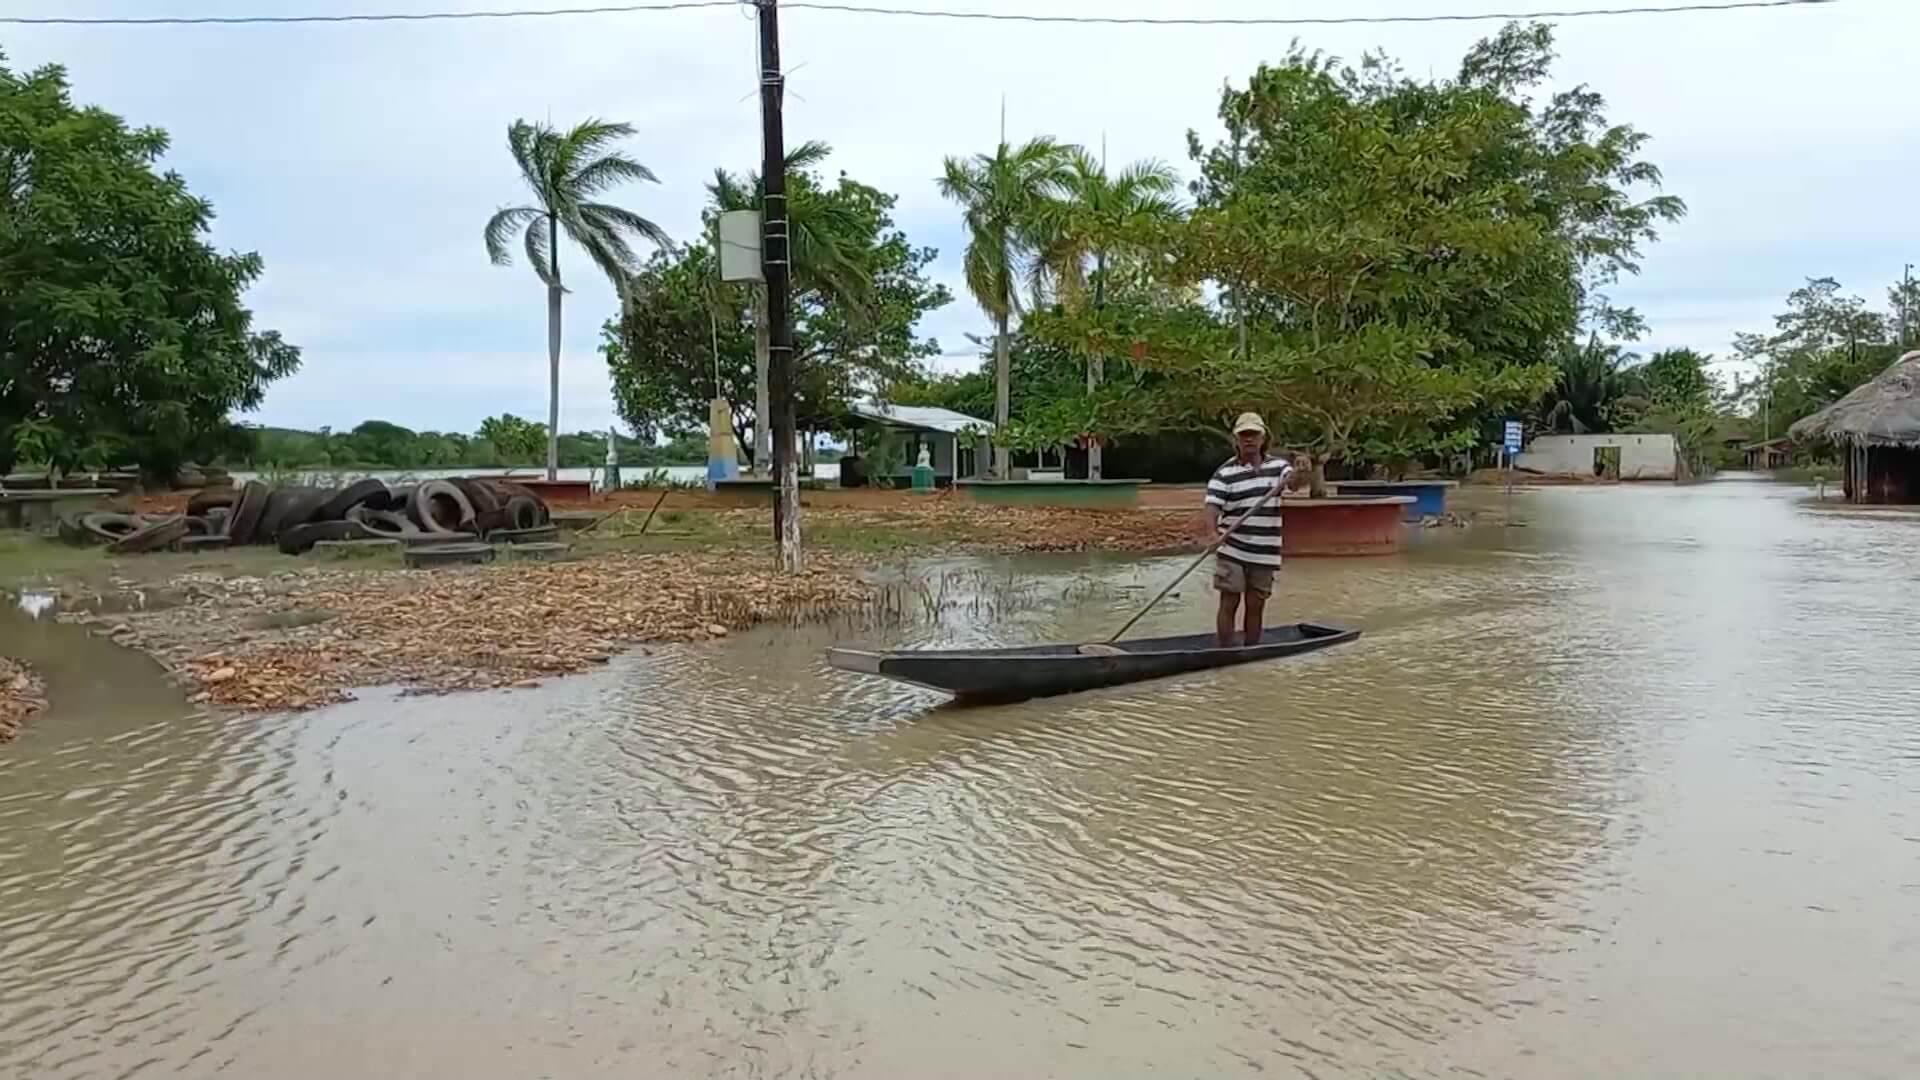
[(1878, 425), (1884, 411)]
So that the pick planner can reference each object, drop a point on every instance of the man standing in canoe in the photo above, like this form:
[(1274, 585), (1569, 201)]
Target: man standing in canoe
[(1247, 487)]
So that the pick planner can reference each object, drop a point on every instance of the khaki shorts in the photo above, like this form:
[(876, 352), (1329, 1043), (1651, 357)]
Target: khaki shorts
[(1237, 577)]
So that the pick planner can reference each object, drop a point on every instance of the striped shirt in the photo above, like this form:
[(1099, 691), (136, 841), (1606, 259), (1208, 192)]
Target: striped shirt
[(1236, 489)]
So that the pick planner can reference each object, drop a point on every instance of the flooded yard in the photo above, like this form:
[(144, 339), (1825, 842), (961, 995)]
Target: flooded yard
[(1633, 790)]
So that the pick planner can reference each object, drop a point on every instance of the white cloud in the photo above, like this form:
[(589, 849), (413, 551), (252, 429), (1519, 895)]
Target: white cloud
[(362, 160)]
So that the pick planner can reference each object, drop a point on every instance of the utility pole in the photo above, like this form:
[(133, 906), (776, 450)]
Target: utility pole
[(778, 272), (1906, 305)]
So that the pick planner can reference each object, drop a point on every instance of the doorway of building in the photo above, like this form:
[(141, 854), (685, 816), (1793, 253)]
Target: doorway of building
[(1606, 462)]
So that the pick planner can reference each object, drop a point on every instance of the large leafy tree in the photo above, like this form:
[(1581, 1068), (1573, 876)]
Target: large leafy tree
[(686, 338), (122, 335), (820, 229), (1822, 346), (567, 172), (1400, 254), (1004, 196)]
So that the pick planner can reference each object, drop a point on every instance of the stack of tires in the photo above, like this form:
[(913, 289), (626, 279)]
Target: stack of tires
[(295, 518)]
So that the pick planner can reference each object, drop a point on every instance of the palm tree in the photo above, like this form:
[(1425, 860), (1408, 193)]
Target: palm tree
[(1004, 195), (817, 244), (1595, 380), (1098, 217), (565, 171)]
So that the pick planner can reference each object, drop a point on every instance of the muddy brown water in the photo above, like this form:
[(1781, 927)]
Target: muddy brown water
[(1631, 791)]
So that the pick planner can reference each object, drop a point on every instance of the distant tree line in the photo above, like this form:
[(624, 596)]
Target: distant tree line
[(1823, 345), (501, 442)]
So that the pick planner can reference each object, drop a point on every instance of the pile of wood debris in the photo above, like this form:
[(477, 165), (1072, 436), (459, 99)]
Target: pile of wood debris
[(302, 640), (22, 695)]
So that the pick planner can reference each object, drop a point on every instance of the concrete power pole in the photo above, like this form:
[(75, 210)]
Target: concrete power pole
[(778, 272)]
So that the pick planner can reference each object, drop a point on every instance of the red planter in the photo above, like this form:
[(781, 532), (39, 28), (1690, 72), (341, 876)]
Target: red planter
[(1341, 526)]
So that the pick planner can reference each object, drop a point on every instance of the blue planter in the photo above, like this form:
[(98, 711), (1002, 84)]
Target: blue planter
[(1429, 496)]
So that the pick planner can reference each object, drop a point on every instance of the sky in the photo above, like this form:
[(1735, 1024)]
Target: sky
[(362, 160)]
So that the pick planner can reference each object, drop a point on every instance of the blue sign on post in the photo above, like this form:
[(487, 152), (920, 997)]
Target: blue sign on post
[(1513, 437)]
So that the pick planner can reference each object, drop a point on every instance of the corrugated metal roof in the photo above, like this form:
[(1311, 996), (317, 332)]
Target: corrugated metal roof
[(925, 418)]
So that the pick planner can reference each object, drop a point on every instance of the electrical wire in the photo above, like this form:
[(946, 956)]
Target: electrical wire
[(1261, 20), (417, 16), (912, 13)]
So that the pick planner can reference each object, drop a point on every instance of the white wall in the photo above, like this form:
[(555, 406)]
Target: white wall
[(1642, 457)]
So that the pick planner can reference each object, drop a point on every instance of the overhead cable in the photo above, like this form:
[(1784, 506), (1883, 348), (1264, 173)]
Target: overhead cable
[(896, 12)]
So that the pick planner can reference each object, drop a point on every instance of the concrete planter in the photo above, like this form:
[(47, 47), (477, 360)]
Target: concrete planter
[(1429, 496), (1071, 494), (1341, 526)]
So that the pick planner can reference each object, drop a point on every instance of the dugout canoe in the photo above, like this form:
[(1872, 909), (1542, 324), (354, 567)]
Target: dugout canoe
[(1016, 674)]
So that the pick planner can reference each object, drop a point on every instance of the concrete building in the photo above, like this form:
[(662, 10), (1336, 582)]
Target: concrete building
[(1628, 456), (956, 442)]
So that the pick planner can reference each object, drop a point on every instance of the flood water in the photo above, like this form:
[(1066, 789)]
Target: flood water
[(1631, 791)]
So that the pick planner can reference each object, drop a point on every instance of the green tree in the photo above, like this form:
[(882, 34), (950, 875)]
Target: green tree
[(1591, 388), (1679, 379), (821, 232), (513, 440), (1097, 219), (1400, 255), (122, 334), (683, 340), (566, 171), (1100, 224), (378, 442), (1823, 345), (1004, 196)]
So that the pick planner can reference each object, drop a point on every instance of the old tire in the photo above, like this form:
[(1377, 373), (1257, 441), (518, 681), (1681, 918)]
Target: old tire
[(354, 549), (301, 538), (539, 551), (479, 493), (523, 512), (199, 526), (388, 524), (109, 528), (368, 492), (510, 491), (209, 499), (440, 506), (421, 538), (153, 536), (447, 555), (286, 508), (539, 534), (73, 532), (488, 522), (247, 509)]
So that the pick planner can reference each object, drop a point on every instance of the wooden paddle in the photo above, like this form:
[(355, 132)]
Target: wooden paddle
[(1107, 648)]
